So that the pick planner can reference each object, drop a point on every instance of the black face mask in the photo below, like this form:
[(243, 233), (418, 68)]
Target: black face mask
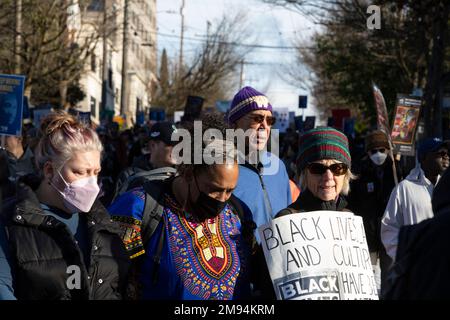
[(206, 207)]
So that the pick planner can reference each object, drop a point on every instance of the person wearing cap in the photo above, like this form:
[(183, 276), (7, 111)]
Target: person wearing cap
[(263, 190), (323, 164), (157, 165), (369, 196), (410, 201), (161, 144), (423, 258)]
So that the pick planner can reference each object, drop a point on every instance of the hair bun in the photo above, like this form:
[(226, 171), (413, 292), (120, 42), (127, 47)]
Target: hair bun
[(59, 120)]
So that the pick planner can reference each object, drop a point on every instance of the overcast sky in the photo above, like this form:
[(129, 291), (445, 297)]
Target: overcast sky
[(273, 26)]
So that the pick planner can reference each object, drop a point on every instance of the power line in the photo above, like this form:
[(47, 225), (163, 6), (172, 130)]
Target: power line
[(256, 46)]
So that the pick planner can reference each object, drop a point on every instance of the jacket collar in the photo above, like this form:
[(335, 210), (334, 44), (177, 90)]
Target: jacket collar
[(308, 202)]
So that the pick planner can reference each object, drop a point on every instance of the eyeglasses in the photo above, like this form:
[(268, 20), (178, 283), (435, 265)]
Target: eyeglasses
[(338, 169), (258, 119), (382, 150)]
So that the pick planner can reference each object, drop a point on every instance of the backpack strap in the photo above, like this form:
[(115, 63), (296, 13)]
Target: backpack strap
[(153, 208)]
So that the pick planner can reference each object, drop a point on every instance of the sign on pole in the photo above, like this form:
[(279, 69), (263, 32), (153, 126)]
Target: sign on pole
[(319, 255), (302, 102), (407, 111), (382, 115), (11, 104), (383, 124)]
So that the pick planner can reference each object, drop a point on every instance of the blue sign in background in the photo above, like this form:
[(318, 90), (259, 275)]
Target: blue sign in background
[(11, 104)]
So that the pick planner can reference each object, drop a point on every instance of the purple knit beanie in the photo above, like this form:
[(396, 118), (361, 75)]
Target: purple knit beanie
[(245, 101)]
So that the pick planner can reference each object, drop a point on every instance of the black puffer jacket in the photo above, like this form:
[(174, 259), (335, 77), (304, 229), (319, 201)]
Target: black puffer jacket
[(42, 249)]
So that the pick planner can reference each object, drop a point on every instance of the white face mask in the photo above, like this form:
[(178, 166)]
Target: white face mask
[(378, 158), (80, 194)]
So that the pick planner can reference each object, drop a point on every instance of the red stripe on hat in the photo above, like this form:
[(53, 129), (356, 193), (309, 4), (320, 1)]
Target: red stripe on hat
[(327, 147)]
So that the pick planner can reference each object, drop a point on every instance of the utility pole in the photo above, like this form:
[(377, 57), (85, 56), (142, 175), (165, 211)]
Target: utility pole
[(241, 76), (105, 59), (181, 36), (124, 87), (18, 39)]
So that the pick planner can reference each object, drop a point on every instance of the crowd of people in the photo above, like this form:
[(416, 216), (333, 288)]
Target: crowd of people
[(109, 214)]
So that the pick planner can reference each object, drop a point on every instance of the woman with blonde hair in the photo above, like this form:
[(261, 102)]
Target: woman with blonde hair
[(323, 164), (58, 242)]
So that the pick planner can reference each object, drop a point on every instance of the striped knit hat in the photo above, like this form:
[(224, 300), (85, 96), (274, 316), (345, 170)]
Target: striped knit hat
[(245, 101), (323, 143)]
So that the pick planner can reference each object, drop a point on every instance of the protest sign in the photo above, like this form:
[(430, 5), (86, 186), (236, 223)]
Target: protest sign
[(338, 117), (318, 255), (383, 124), (407, 111), (11, 104), (39, 115), (382, 115), (282, 119), (310, 123)]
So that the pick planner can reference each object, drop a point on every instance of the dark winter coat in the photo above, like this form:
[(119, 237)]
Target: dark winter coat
[(42, 249), (369, 196), (421, 270)]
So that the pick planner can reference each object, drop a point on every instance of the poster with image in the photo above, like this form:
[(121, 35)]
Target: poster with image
[(318, 255), (407, 111), (11, 104)]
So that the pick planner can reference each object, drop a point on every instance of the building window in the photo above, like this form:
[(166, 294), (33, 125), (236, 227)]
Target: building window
[(93, 107), (93, 63), (110, 78), (96, 5), (138, 105)]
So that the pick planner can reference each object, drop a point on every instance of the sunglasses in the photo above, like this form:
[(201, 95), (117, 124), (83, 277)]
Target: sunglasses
[(382, 150), (258, 119), (338, 169)]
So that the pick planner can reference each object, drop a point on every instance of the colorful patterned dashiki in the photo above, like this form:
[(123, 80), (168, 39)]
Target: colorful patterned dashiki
[(199, 260)]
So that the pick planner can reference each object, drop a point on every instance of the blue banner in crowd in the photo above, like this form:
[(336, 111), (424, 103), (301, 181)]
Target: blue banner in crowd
[(11, 104)]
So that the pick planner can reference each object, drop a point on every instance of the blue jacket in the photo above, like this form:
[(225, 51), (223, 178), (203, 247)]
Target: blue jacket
[(271, 179)]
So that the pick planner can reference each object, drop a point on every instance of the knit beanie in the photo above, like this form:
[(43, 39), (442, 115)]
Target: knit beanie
[(377, 139), (245, 101), (323, 143)]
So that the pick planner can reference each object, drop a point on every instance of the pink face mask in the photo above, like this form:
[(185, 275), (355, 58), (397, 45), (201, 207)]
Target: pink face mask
[(80, 194)]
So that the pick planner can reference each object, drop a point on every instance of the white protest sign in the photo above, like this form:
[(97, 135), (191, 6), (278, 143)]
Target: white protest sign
[(318, 255)]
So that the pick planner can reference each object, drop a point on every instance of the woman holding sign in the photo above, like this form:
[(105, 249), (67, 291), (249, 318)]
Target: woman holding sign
[(324, 164)]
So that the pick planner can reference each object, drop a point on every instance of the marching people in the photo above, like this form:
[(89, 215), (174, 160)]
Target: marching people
[(410, 201), (369, 195), (323, 163), (57, 242), (159, 164), (20, 158), (188, 236), (422, 261), (263, 183), (263, 190)]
